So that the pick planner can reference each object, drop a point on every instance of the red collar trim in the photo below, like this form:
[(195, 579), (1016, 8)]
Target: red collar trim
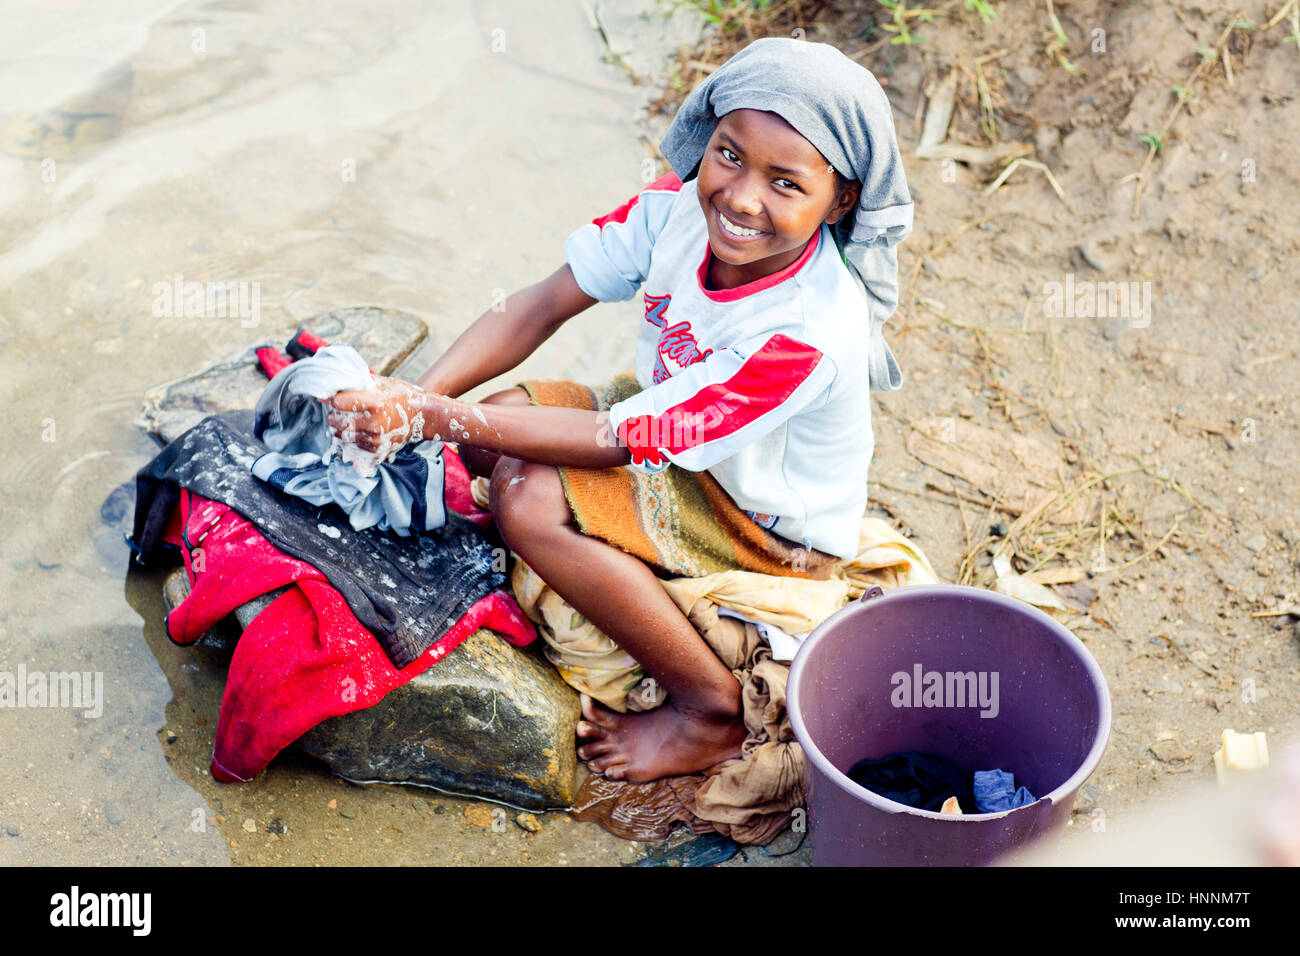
[(758, 285)]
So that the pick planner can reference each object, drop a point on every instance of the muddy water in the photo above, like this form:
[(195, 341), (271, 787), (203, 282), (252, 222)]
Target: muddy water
[(421, 156)]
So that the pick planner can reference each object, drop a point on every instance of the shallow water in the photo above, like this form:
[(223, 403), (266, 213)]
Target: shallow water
[(420, 156)]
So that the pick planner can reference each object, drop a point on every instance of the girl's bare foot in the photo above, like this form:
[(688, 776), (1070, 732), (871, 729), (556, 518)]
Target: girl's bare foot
[(665, 742)]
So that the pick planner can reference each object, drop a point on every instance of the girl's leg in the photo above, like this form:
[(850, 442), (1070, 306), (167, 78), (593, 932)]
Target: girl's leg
[(699, 725), (480, 461)]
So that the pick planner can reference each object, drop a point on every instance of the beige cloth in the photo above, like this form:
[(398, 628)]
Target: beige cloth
[(592, 663), (749, 798)]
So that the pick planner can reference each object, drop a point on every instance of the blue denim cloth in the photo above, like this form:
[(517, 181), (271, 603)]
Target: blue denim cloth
[(995, 791), (404, 494)]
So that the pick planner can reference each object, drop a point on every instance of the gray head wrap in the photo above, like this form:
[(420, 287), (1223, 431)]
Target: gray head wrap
[(839, 107)]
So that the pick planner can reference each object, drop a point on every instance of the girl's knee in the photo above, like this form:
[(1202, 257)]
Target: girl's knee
[(509, 396), (526, 498)]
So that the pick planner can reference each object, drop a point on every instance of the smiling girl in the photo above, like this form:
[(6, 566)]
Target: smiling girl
[(743, 441)]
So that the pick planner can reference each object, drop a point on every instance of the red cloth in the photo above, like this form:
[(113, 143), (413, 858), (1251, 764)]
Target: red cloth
[(455, 489), (272, 360), (306, 657)]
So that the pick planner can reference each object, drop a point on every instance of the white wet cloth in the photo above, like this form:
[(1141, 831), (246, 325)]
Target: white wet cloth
[(402, 495)]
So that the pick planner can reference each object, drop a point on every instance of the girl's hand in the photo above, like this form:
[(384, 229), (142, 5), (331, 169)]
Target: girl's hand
[(379, 420)]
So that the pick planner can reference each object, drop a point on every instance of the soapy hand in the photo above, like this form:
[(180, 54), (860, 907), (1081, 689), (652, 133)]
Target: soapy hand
[(380, 420)]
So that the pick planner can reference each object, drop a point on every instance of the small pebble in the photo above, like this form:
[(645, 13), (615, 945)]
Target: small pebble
[(115, 811), (1093, 255), (528, 822), (250, 825)]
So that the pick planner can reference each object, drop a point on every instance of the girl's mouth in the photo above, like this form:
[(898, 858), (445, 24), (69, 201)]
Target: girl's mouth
[(735, 233)]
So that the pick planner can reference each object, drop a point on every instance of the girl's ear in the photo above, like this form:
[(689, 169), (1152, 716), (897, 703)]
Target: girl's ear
[(845, 202)]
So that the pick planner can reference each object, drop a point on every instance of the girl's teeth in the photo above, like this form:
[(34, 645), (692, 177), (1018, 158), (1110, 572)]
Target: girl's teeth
[(737, 230)]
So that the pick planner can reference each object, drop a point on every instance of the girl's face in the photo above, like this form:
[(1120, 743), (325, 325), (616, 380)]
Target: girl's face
[(761, 177)]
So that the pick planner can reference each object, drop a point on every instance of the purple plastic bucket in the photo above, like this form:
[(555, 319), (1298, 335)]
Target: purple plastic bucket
[(1049, 726)]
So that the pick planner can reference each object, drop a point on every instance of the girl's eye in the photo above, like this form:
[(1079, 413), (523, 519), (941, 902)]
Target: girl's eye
[(731, 157)]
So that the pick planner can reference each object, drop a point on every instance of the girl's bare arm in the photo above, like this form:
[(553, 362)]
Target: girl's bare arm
[(495, 343), (499, 340), (543, 434)]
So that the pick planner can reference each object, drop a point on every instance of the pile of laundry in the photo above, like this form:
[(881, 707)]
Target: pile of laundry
[(384, 573)]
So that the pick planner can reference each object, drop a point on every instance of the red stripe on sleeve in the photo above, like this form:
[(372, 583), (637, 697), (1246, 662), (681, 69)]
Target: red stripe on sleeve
[(666, 183), (766, 380)]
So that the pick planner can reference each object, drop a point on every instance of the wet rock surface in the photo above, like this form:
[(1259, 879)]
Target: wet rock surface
[(384, 337), (489, 720)]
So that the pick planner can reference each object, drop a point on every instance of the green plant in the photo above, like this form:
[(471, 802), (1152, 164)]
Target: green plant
[(901, 14), (717, 11), (983, 8), (1156, 141), (1059, 41)]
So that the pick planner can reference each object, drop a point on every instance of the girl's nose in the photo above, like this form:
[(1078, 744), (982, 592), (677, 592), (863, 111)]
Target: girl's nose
[(744, 197)]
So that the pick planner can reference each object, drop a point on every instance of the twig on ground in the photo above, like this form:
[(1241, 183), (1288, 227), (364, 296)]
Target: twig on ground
[(1035, 164)]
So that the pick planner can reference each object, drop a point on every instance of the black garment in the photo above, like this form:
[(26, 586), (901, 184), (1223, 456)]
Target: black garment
[(408, 592), (918, 779)]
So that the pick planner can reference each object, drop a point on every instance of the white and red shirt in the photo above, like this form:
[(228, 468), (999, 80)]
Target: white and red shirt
[(764, 385)]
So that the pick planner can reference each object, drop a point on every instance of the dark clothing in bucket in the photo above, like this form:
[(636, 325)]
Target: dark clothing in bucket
[(995, 791), (917, 779)]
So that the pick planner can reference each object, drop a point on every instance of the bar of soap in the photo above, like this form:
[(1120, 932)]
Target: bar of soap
[(1240, 752), (951, 806)]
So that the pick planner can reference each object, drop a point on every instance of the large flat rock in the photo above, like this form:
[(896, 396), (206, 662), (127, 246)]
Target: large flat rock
[(384, 337), (489, 720)]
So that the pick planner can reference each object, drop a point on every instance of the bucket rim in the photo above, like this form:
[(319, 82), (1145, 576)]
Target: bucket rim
[(863, 605)]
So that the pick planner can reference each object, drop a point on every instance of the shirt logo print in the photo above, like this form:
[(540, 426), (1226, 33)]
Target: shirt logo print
[(676, 342)]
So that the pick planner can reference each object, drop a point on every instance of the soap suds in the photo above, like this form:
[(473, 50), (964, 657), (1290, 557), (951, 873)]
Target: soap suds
[(366, 462)]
